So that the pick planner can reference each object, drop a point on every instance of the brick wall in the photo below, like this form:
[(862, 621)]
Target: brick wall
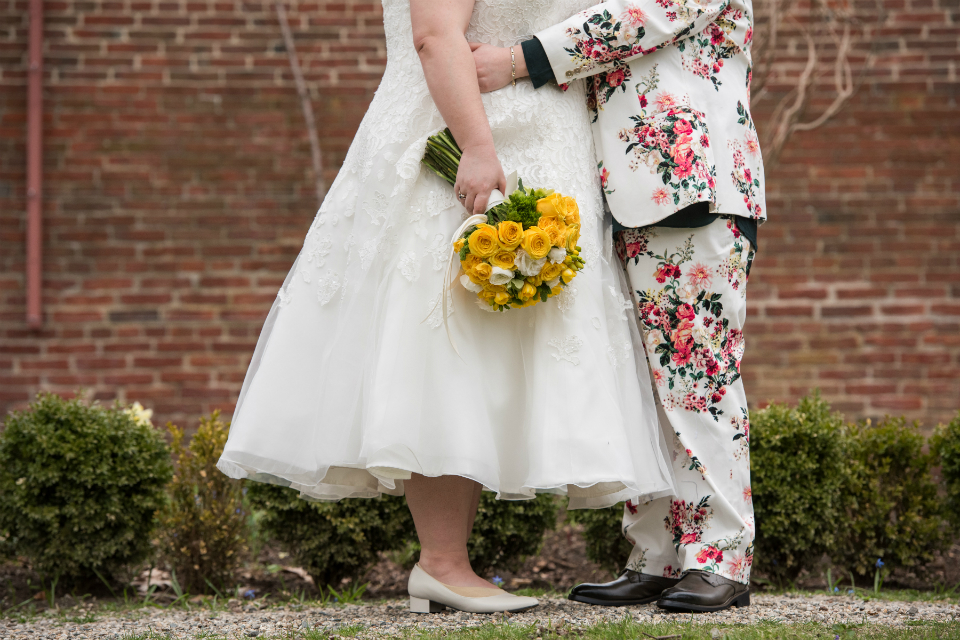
[(178, 188)]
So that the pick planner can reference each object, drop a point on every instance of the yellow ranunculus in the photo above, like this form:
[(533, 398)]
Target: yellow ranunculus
[(483, 241), (553, 205), (503, 259), (568, 275), (483, 271), (535, 280), (470, 262), (573, 211), (487, 296), (510, 234), (527, 291), (557, 237), (458, 245), (551, 271), (502, 298), (536, 242), (573, 236), (545, 222)]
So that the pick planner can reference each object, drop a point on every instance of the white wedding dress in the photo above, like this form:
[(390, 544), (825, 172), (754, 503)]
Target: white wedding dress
[(354, 384)]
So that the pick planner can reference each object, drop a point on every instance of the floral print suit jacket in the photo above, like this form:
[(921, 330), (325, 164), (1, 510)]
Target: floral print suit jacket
[(669, 87)]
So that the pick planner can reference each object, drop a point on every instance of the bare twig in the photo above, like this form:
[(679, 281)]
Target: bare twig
[(304, 100)]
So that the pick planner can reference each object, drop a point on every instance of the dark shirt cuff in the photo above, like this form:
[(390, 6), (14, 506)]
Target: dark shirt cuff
[(538, 65)]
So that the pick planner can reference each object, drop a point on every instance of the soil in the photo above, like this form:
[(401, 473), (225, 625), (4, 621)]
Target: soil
[(561, 564)]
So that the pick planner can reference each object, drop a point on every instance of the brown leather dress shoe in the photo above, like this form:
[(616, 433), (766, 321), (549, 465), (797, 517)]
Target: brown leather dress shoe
[(702, 591), (630, 588)]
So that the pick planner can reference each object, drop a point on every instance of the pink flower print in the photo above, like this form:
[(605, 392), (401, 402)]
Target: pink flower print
[(616, 77), (713, 368), (604, 178), (716, 33), (665, 100), (704, 141), (748, 495), (701, 170), (682, 127), (683, 155), (701, 275), (738, 564), (681, 357), (668, 571), (634, 16), (688, 538), (747, 39), (693, 402), (709, 554), (643, 101), (660, 195), (632, 508), (753, 146), (715, 398), (686, 312), (747, 174), (659, 378)]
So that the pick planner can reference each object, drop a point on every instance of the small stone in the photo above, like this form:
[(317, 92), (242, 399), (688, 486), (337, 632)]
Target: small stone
[(715, 633), (913, 611), (253, 633)]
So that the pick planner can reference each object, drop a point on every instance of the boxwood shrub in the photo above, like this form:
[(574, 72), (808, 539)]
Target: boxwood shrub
[(946, 446), (506, 532), (894, 513), (799, 469), (331, 540), (79, 487), (606, 544), (203, 534)]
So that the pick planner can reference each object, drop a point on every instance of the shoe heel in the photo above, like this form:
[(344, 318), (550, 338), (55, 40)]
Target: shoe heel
[(422, 605), (743, 601)]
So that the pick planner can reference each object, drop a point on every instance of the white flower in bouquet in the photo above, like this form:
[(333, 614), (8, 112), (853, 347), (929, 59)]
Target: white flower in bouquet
[(500, 276), (557, 255), (527, 265), (469, 284)]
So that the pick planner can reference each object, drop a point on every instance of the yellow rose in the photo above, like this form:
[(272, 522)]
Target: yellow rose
[(487, 296), (553, 205), (535, 280), (573, 211), (502, 298), (503, 259), (458, 245), (536, 243), (470, 262), (483, 271), (527, 291), (510, 234), (551, 271), (483, 241), (568, 275), (573, 237), (494, 288)]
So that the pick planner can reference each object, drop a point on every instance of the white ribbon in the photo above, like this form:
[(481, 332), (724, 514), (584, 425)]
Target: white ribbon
[(453, 264)]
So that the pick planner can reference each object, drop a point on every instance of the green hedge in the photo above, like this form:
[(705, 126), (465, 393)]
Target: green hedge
[(507, 532), (79, 487), (606, 545)]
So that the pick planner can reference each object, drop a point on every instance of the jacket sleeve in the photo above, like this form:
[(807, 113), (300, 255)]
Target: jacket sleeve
[(605, 36)]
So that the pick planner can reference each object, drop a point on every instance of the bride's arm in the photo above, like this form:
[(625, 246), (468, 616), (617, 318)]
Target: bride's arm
[(438, 35)]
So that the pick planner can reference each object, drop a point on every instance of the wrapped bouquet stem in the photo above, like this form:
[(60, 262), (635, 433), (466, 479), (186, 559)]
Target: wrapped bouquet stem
[(524, 250)]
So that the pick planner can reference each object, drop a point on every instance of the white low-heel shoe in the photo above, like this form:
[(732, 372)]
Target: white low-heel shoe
[(428, 595)]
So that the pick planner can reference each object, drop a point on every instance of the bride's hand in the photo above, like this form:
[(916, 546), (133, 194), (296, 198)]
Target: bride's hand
[(494, 69), (478, 175)]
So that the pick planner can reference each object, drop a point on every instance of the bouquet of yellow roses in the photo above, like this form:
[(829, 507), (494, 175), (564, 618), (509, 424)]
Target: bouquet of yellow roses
[(525, 252)]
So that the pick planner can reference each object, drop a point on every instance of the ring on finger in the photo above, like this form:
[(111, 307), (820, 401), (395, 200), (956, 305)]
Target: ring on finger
[(461, 196)]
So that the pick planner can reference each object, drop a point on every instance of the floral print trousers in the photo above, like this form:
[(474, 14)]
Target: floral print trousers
[(690, 289)]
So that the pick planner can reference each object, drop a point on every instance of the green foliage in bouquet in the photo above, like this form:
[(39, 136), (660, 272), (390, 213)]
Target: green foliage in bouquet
[(331, 540), (606, 544), (204, 530), (799, 474), (506, 532), (79, 487), (946, 446), (443, 158), (894, 513)]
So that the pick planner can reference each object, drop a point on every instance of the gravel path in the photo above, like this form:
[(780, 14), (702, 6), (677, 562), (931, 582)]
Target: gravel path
[(392, 617)]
